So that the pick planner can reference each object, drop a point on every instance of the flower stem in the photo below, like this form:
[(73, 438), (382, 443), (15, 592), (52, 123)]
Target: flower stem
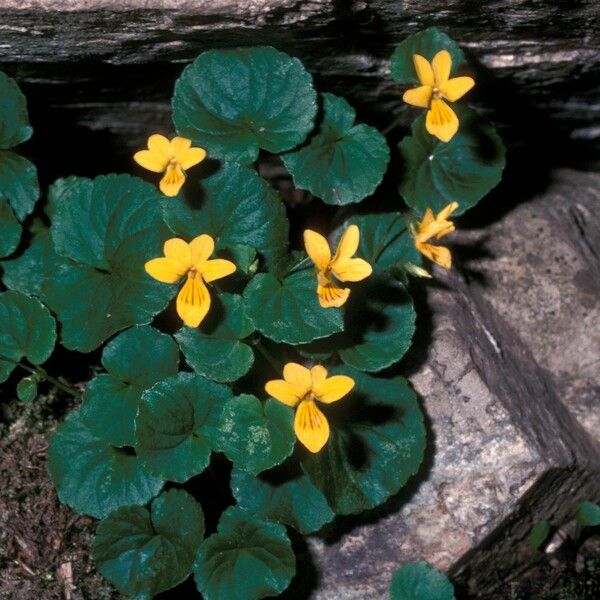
[(268, 356), (299, 265), (42, 374), (393, 124)]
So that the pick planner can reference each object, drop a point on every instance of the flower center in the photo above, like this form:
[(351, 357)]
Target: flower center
[(436, 92)]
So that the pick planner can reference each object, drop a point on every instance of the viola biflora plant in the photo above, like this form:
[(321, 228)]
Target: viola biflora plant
[(231, 356)]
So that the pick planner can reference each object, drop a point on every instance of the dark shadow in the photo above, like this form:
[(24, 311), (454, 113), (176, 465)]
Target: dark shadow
[(307, 578)]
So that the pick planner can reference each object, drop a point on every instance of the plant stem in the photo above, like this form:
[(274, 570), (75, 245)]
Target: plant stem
[(268, 356), (42, 374), (393, 124), (299, 265)]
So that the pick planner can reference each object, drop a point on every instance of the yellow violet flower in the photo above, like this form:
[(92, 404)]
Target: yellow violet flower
[(180, 259), (341, 267), (171, 158), (301, 387), (436, 227), (436, 86)]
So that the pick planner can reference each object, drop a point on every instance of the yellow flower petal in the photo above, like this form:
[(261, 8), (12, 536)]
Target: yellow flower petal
[(428, 218), (447, 211), (171, 183), (151, 161), (437, 254), (201, 248), (178, 146), (298, 375), (456, 87), (419, 96), (423, 69), (441, 65), (193, 302), (178, 250), (318, 374), (348, 244), (191, 157), (285, 392), (165, 270), (441, 121), (317, 249), (311, 426), (159, 145), (333, 388), (351, 269), (216, 269), (330, 295)]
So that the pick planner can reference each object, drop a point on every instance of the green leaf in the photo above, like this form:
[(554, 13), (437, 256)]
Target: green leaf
[(10, 229), (247, 558), (176, 425), (538, 534), (234, 102), (427, 43), (235, 206), (588, 514), (27, 329), (464, 169), (27, 389), (135, 360), (287, 310), (18, 183), (420, 581), (344, 162), (14, 120), (283, 494), (93, 477), (256, 436), (216, 349), (26, 273), (376, 444), (143, 552), (106, 229)]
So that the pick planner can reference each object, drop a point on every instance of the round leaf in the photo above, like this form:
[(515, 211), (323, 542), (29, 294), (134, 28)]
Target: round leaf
[(18, 183), (176, 424), (588, 514), (14, 120), (284, 494), (247, 558), (27, 329), (426, 43), (236, 207), (143, 552), (106, 229), (256, 436), (216, 349), (27, 389), (135, 360), (464, 169), (93, 477), (376, 444), (343, 163), (287, 310), (419, 581), (10, 229), (233, 102)]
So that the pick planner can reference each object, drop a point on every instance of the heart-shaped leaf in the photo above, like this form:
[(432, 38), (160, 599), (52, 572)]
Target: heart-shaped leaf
[(256, 436), (105, 229), (420, 581), (283, 494), (27, 329), (14, 120), (135, 360), (235, 206), (234, 102), (93, 477), (376, 444), (143, 552), (464, 169), (176, 425), (10, 229), (426, 43), (247, 558), (216, 349), (344, 162), (18, 183), (287, 309)]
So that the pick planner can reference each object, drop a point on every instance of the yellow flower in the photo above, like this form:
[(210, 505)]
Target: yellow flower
[(342, 266), (171, 158), (180, 259), (301, 387), (436, 87), (436, 227)]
